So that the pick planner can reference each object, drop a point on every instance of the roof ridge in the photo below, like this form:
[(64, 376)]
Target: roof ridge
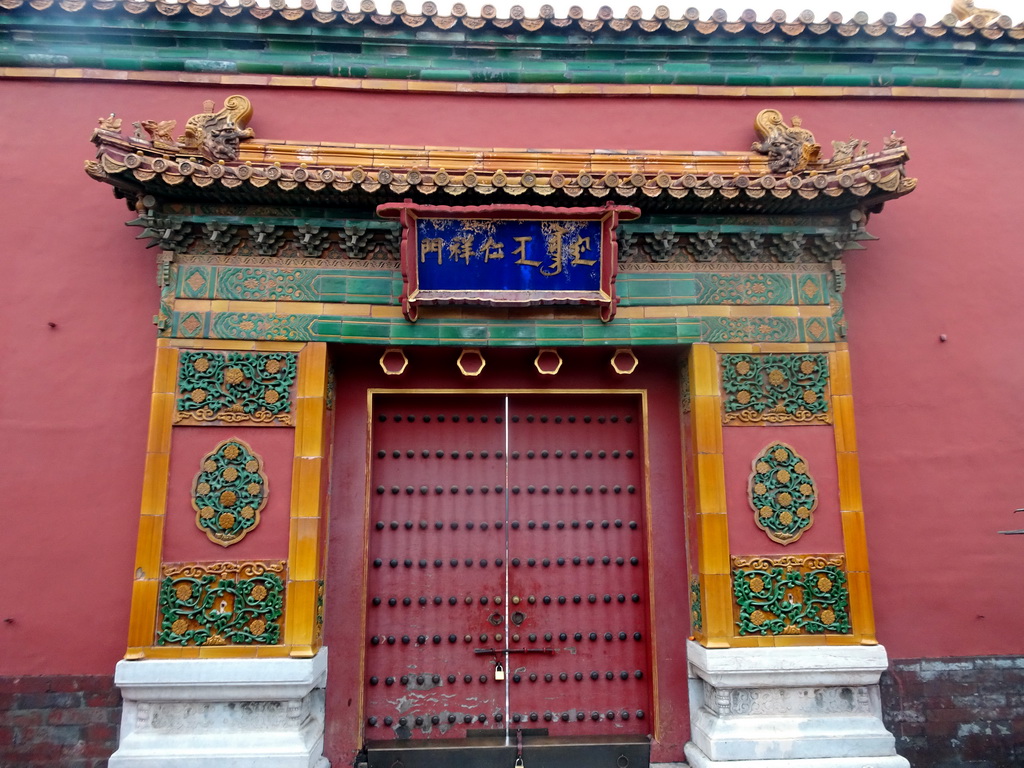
[(985, 24)]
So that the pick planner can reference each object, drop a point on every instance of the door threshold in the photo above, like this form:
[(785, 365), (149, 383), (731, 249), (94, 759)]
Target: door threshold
[(492, 752)]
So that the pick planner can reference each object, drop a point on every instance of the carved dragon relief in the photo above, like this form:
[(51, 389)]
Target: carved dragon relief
[(215, 135), (218, 134), (789, 148)]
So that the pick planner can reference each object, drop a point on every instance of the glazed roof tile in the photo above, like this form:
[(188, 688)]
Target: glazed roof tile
[(783, 172), (633, 21)]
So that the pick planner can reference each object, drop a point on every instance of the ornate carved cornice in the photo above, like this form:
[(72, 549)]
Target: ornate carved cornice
[(218, 160)]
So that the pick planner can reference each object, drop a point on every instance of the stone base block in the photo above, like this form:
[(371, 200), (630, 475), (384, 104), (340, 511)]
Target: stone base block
[(228, 713), (698, 759), (805, 707)]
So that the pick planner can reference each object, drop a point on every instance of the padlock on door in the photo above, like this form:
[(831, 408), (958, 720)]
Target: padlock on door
[(499, 672), (518, 763)]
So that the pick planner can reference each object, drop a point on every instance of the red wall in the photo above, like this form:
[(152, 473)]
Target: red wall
[(939, 433)]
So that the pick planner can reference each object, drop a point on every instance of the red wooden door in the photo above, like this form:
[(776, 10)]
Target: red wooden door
[(506, 531), (577, 565)]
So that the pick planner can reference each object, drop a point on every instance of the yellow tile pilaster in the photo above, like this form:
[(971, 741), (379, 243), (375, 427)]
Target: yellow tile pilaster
[(153, 508), (307, 503), (709, 496), (850, 504)]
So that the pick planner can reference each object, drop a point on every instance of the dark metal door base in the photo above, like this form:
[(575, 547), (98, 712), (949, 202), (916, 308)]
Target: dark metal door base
[(492, 752)]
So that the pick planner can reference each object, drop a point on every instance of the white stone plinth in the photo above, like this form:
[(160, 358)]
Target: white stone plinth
[(228, 713), (799, 707)]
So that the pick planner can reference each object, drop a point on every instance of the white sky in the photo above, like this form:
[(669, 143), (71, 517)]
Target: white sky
[(904, 9)]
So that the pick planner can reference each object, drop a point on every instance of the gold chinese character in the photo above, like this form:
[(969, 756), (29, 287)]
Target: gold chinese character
[(431, 245), (554, 242), (462, 248), (520, 251), (579, 246), (492, 249)]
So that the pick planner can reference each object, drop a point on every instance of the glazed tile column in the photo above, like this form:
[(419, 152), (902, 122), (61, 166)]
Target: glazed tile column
[(783, 658), (227, 604)]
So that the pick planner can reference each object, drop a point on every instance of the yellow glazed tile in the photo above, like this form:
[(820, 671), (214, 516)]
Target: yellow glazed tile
[(712, 311), (756, 311), (172, 652), (134, 653), (849, 481), (862, 614), (751, 641), (844, 640), (707, 424), (298, 308), (142, 624), (785, 349), (784, 312), (300, 612), (302, 651), (191, 305), (703, 373), (304, 548), (227, 652), (713, 546), (854, 540), (734, 349), (258, 307), (154, 484), (161, 411), (309, 432), (811, 310), (380, 310), (666, 311), (629, 312), (719, 626), (839, 373), (845, 429), (165, 372), (149, 547), (783, 641), (313, 371), (306, 487), (272, 651), (710, 481), (196, 344), (279, 346)]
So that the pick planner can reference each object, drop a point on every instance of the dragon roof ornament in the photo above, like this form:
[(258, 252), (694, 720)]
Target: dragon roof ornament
[(217, 158)]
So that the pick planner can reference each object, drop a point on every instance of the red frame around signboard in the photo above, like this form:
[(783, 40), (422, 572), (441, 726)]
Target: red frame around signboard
[(407, 212)]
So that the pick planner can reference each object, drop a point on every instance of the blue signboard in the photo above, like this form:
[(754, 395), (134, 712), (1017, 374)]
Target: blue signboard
[(508, 255)]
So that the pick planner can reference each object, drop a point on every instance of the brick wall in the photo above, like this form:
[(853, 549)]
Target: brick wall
[(957, 712), (60, 720)]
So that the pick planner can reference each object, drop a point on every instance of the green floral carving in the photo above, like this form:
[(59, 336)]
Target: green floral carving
[(741, 329), (221, 603), (744, 289), (782, 493), (696, 612), (775, 388), (236, 386), (253, 325), (229, 492), (804, 594)]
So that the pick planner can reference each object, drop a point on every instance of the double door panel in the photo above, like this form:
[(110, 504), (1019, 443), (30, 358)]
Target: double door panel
[(506, 530)]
